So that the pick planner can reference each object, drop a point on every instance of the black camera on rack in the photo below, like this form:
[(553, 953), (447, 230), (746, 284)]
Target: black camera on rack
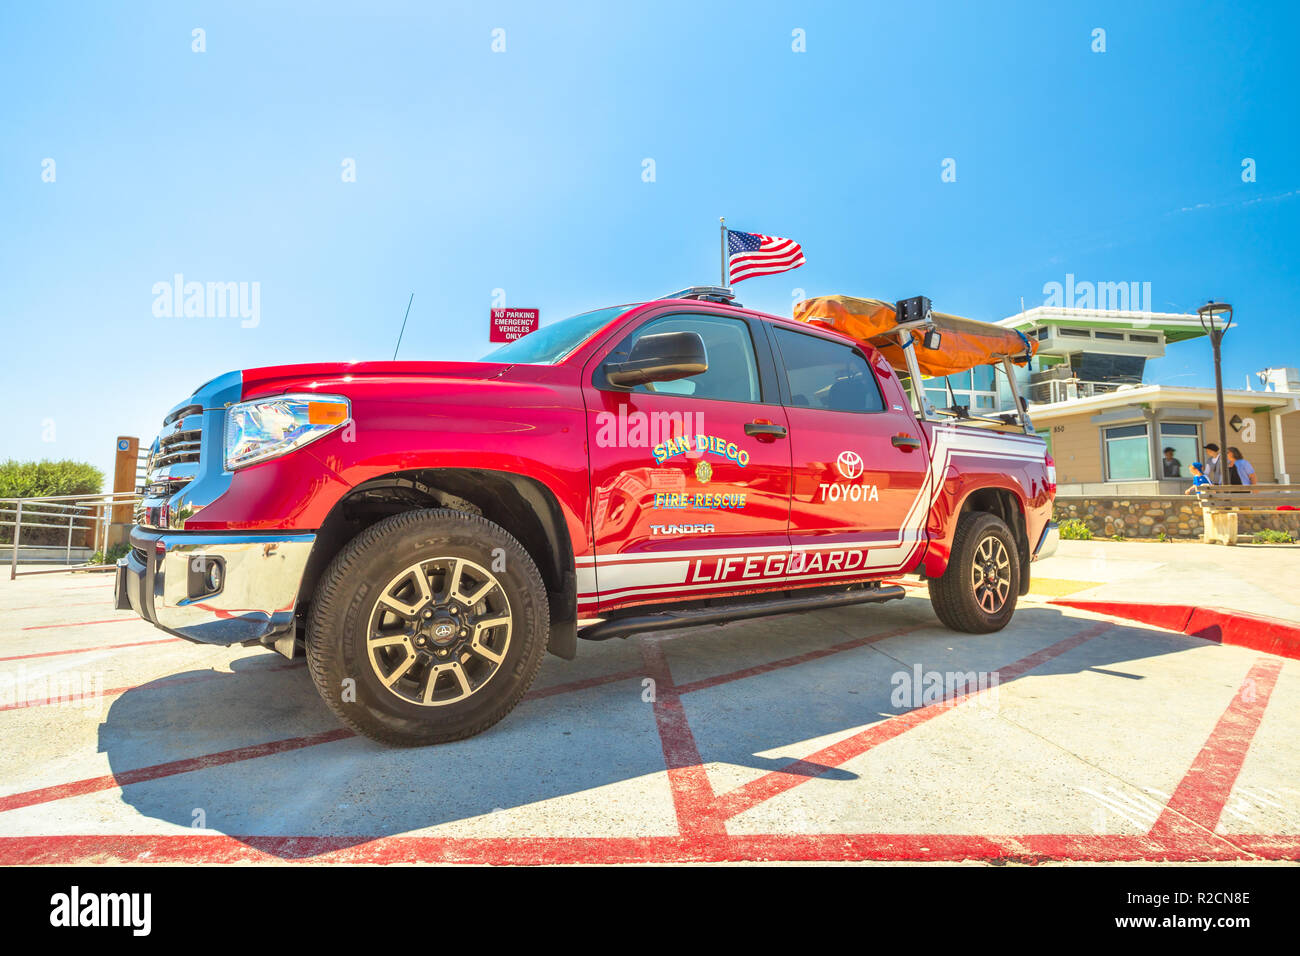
[(918, 309)]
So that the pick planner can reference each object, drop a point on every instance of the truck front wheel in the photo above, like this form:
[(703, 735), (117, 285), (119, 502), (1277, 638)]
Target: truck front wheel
[(427, 627), (978, 590)]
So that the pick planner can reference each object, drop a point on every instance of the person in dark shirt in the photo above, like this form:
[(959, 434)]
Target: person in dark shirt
[(1240, 471), (1173, 467)]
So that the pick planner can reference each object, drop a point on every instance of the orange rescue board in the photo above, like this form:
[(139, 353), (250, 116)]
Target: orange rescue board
[(966, 342)]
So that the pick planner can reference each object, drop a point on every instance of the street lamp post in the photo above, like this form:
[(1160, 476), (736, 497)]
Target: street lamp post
[(1210, 314)]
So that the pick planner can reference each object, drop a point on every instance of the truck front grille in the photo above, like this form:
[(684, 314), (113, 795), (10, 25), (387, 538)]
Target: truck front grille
[(185, 472), (174, 457)]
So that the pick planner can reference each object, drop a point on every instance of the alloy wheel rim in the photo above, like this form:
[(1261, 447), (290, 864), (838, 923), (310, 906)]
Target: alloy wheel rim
[(439, 631), (991, 574)]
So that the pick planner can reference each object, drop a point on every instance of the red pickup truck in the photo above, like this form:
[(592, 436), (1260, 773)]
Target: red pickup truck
[(426, 531)]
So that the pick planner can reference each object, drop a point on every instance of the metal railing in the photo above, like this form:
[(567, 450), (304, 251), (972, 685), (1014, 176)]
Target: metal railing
[(1261, 497), (69, 513), (1072, 389)]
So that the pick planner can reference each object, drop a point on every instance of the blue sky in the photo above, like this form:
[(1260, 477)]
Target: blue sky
[(522, 170)]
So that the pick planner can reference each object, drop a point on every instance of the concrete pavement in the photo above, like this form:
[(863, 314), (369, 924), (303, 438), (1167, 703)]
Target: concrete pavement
[(1257, 578), (856, 734)]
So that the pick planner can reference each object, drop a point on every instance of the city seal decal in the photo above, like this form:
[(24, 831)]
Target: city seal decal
[(704, 472)]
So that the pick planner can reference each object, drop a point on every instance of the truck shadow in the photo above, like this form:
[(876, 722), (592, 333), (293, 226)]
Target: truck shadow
[(586, 762)]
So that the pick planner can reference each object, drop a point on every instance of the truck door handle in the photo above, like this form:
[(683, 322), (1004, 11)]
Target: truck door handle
[(905, 442), (762, 430)]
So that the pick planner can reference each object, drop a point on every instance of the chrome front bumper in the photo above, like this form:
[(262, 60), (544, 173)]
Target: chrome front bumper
[(1048, 542), (166, 579)]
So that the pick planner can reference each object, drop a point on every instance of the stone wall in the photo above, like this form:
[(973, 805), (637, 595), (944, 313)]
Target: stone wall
[(1178, 516)]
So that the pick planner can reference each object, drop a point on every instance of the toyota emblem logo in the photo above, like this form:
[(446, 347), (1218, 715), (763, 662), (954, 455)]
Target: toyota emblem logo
[(443, 630), (850, 464)]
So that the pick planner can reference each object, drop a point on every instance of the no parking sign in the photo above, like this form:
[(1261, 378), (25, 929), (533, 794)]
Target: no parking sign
[(511, 324)]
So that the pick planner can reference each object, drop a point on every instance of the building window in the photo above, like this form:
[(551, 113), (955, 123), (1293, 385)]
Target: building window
[(1183, 440), (1127, 452), (1154, 339), (1075, 333), (1110, 336), (976, 389)]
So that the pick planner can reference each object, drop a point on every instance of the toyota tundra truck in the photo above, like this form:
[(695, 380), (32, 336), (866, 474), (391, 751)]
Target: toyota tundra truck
[(424, 532)]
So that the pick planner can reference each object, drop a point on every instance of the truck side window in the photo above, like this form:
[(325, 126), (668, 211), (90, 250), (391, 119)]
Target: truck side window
[(732, 375), (826, 375)]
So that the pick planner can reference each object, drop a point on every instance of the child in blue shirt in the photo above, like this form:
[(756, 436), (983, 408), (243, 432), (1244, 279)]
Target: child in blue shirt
[(1198, 478)]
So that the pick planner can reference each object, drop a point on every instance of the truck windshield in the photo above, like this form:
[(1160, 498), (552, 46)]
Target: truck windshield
[(553, 343)]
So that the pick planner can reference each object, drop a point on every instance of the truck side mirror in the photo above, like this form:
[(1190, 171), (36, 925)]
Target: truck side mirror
[(662, 357)]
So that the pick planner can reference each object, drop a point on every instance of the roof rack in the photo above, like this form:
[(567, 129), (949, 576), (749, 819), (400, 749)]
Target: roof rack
[(708, 293)]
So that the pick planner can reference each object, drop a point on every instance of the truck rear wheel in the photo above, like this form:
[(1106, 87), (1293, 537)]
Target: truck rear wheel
[(977, 592), (427, 627)]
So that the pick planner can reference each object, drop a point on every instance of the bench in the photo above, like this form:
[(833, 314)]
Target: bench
[(1220, 505)]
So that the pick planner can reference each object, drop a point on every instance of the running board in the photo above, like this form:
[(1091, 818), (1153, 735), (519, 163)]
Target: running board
[(665, 621)]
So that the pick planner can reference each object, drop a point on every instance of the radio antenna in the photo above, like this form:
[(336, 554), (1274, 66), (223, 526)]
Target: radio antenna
[(403, 332)]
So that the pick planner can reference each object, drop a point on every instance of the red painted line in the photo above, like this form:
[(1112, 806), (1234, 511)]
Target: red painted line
[(1167, 617), (707, 682), (94, 784), (87, 650), (1255, 631), (214, 848), (693, 796), (287, 665), (45, 607), (801, 771), (1284, 846), (1093, 848), (111, 620), (1271, 635), (1199, 799), (79, 788)]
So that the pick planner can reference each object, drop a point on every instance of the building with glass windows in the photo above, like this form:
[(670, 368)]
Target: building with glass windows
[(1109, 431)]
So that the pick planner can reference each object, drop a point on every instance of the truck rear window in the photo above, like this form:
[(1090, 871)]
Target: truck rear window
[(826, 375)]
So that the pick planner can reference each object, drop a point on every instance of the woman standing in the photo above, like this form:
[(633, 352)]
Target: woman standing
[(1240, 471)]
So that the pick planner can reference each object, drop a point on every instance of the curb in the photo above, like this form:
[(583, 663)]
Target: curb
[(1219, 624)]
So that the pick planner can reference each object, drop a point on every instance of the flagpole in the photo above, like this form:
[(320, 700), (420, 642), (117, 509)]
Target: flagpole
[(722, 226)]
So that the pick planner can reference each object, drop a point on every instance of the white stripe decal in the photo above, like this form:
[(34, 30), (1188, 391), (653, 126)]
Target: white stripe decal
[(625, 575)]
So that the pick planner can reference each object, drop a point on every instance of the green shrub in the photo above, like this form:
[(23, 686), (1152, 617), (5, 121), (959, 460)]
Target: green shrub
[(1272, 536), (32, 479), (118, 550), (1072, 529), (1118, 537)]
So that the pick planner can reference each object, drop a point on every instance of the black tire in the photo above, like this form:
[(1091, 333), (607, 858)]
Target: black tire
[(347, 610), (958, 601)]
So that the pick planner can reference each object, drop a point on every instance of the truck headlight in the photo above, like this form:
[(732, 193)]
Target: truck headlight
[(269, 427)]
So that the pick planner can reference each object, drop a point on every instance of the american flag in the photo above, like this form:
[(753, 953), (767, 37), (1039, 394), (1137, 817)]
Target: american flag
[(749, 255)]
